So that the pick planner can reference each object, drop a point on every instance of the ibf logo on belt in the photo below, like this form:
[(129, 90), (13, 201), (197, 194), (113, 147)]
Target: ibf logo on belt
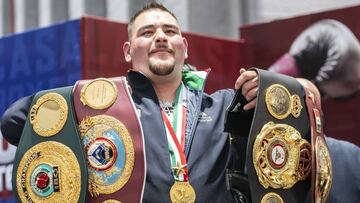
[(45, 180)]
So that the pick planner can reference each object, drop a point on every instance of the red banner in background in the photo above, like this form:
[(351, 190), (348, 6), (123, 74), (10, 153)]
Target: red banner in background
[(101, 48)]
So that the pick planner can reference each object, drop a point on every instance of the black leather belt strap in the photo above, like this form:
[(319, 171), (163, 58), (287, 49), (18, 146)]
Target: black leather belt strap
[(238, 125)]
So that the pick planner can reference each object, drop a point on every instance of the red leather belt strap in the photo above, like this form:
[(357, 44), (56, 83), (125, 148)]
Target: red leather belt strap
[(313, 103), (123, 109)]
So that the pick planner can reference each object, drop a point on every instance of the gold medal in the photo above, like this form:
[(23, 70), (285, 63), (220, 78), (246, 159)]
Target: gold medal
[(272, 198), (182, 192), (48, 115), (49, 172), (100, 93)]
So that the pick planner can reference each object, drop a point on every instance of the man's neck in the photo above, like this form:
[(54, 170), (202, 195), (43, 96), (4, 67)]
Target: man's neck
[(166, 92)]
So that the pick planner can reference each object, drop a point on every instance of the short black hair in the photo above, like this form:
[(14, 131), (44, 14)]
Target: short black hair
[(147, 7)]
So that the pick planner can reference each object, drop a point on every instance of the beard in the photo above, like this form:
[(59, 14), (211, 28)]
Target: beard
[(161, 69)]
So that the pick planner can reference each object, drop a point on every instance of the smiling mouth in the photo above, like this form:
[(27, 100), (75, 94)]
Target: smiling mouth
[(161, 50)]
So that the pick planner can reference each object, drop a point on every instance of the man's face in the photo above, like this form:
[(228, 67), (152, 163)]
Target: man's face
[(156, 46)]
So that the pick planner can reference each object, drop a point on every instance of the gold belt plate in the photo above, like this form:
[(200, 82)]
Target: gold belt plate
[(272, 197), (49, 114), (280, 156), (98, 94), (49, 172), (280, 103), (323, 177), (110, 153)]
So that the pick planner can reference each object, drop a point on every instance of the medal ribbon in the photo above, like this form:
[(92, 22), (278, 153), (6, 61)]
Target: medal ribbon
[(177, 155)]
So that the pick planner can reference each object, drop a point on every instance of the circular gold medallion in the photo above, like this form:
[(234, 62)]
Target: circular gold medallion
[(272, 197), (100, 93), (323, 180), (48, 115), (110, 153), (278, 101), (182, 192), (49, 172)]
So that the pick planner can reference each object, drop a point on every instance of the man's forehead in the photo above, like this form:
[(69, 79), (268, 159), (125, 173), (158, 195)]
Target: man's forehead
[(155, 17)]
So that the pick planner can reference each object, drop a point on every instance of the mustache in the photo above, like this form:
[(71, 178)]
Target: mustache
[(161, 48)]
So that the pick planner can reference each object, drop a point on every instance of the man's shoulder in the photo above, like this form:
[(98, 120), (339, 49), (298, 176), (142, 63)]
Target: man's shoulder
[(223, 93)]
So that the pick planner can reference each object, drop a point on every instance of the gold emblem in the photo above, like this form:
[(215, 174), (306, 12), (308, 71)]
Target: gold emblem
[(296, 105), (103, 137), (100, 93), (111, 201), (280, 156), (272, 198), (280, 103), (48, 115), (182, 192), (323, 180), (49, 172)]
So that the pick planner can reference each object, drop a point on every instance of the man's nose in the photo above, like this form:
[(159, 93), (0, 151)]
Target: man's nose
[(160, 36)]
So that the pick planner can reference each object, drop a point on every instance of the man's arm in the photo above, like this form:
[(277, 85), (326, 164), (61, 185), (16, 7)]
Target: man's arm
[(345, 158), (14, 118)]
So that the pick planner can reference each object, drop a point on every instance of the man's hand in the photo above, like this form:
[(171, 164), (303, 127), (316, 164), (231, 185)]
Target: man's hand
[(248, 81)]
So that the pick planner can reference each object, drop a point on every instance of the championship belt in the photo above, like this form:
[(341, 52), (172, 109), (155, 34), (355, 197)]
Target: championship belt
[(112, 138), (278, 153), (50, 164), (321, 175)]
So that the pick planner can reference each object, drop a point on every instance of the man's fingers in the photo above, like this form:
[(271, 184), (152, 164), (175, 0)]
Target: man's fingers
[(245, 76), (247, 86), (250, 105), (250, 95)]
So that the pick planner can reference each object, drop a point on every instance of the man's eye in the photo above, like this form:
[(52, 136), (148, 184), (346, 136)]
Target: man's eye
[(170, 32), (146, 33)]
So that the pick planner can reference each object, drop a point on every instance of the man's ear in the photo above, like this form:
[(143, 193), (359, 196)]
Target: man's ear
[(126, 50), (185, 47)]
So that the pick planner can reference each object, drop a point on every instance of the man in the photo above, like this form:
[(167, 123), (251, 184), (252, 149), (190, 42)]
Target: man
[(164, 95)]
